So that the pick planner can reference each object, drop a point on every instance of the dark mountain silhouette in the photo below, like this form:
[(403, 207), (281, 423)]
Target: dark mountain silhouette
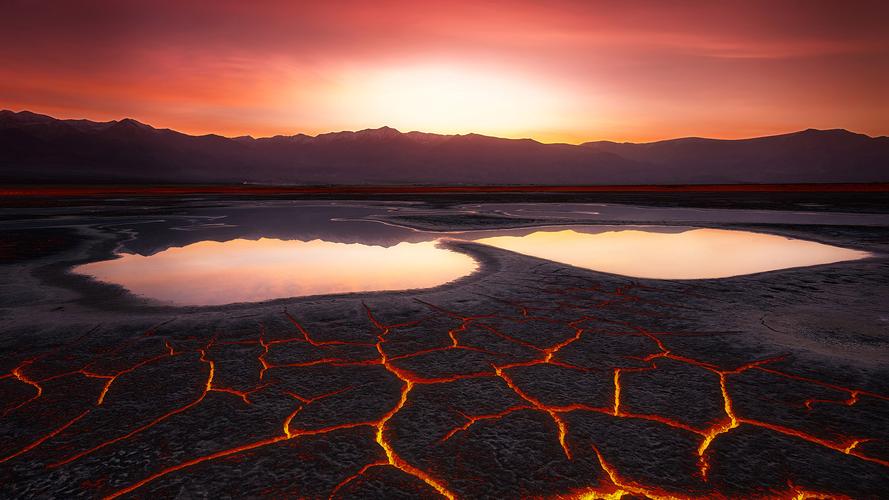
[(807, 156), (39, 148)]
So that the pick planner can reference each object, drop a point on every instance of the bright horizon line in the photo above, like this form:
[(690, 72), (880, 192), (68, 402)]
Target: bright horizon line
[(505, 136)]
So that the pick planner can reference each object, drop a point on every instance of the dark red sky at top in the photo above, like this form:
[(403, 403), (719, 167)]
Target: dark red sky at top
[(556, 71)]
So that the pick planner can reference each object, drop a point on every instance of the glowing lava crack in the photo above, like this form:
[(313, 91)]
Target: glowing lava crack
[(300, 382)]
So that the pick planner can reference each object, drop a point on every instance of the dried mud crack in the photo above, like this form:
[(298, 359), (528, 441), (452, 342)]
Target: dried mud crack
[(563, 395), (529, 380)]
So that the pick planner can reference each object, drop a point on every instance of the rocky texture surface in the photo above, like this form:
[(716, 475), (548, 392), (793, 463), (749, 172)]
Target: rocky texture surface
[(528, 379)]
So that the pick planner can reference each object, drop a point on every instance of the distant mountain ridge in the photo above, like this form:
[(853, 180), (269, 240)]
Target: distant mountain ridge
[(40, 148)]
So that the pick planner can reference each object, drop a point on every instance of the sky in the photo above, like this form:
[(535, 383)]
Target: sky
[(555, 71)]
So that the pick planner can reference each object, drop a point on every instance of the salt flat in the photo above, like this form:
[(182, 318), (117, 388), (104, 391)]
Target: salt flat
[(525, 378)]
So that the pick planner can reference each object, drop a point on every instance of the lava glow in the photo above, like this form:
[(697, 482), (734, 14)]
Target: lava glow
[(572, 309)]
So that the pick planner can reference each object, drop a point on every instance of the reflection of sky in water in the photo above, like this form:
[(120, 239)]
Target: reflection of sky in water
[(211, 273), (256, 251), (691, 254)]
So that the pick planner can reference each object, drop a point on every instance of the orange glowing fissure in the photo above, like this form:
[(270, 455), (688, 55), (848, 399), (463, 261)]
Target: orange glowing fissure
[(617, 485), (17, 373)]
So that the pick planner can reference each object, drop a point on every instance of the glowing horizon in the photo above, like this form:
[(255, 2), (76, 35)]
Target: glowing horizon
[(566, 72)]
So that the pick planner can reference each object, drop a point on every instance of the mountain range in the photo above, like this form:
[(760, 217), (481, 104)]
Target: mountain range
[(37, 148)]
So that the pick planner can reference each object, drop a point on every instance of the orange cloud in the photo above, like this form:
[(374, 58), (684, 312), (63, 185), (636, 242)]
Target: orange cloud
[(560, 71)]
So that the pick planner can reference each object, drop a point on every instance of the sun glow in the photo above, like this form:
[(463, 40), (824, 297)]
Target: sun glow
[(454, 99)]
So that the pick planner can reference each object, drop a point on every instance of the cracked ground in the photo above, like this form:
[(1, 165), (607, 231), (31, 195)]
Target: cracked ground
[(529, 379)]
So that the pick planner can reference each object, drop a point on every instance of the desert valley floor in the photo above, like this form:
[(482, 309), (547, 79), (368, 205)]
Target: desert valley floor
[(525, 378)]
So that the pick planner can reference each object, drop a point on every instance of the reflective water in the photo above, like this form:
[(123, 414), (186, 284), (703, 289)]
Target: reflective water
[(213, 273), (690, 254), (219, 253)]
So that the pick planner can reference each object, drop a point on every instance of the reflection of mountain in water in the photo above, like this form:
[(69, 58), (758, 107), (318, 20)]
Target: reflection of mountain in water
[(377, 224), (295, 222), (240, 270), (304, 222)]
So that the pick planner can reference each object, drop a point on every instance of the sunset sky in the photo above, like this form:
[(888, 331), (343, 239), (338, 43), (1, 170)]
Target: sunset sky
[(555, 71)]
